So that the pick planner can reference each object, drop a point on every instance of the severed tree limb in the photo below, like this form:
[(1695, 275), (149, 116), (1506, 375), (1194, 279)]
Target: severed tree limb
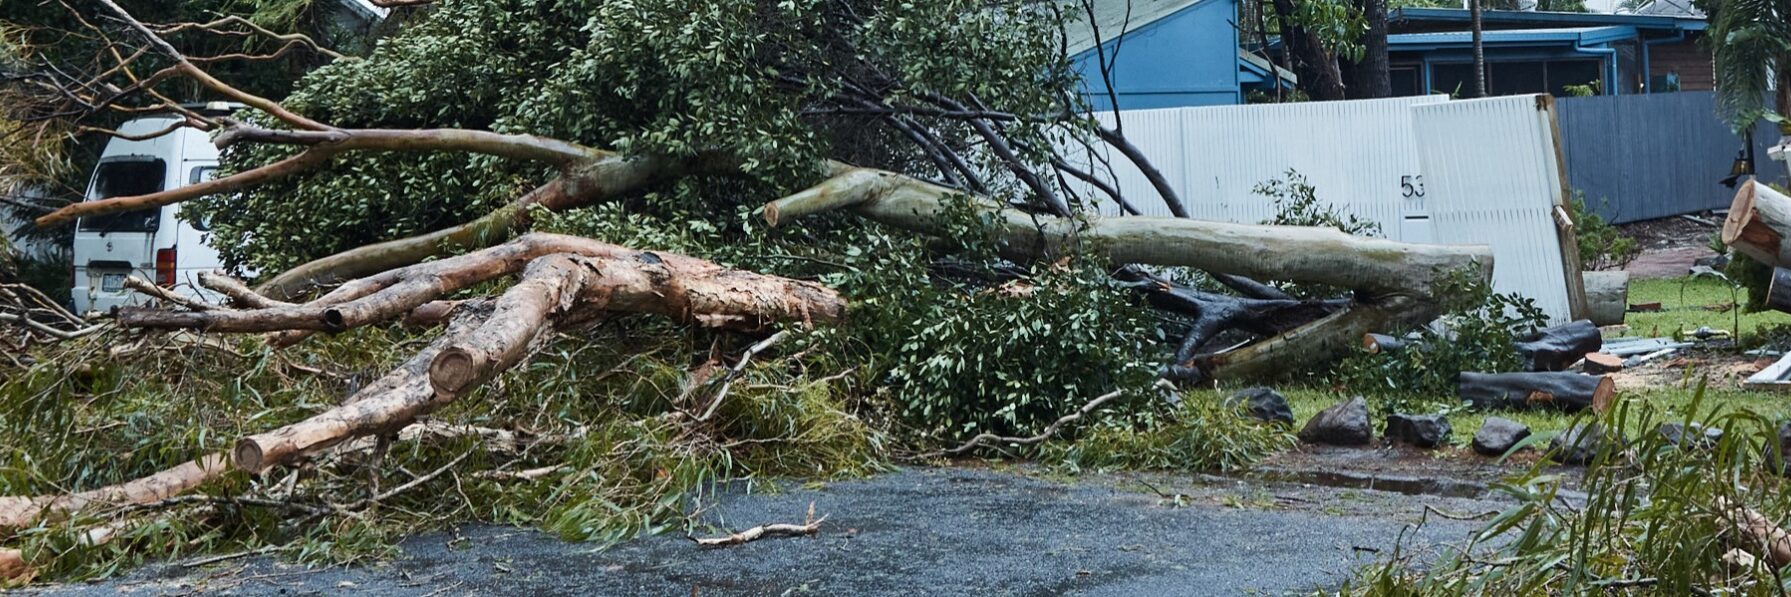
[(166, 295), (322, 146), (18, 512), (238, 292), (1050, 430), (1392, 281), (599, 181), (1759, 534), (810, 525)]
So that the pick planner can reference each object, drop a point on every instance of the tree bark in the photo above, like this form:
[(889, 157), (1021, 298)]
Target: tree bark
[(1607, 296), (1371, 77), (1478, 26), (1778, 293), (23, 511), (1557, 348), (1391, 280), (1759, 220), (1557, 390)]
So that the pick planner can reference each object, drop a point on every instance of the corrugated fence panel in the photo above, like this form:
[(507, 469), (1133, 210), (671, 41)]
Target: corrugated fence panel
[(1493, 178), (1360, 155), (1640, 157)]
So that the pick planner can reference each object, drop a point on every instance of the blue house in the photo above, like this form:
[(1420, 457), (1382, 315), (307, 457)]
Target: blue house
[(1166, 53), (1431, 51)]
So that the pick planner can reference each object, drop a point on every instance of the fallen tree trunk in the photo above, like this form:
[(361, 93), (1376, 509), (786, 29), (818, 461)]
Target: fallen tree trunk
[(1391, 280), (1559, 347), (1607, 296), (1759, 220), (1557, 390)]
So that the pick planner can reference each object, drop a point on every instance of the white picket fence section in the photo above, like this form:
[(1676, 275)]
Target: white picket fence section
[(1495, 176), (1497, 159)]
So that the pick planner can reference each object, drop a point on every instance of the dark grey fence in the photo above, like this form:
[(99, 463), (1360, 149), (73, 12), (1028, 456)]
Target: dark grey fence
[(1640, 157)]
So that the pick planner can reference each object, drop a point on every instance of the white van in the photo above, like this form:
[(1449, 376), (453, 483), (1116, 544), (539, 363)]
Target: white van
[(153, 244)]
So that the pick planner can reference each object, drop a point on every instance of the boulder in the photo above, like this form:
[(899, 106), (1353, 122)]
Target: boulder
[(1424, 431), (1577, 445), (1343, 424), (1778, 460), (1263, 404), (1700, 437), (1497, 435)]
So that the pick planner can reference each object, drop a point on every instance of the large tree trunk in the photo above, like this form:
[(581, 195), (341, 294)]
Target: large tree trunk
[(1556, 390), (1759, 220), (1371, 77)]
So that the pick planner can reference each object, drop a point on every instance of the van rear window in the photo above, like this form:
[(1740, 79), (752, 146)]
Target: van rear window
[(124, 178)]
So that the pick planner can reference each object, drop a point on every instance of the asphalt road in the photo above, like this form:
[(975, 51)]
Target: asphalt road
[(917, 531)]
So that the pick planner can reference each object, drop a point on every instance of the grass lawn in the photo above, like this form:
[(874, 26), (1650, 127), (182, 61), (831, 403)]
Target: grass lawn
[(1672, 384), (1689, 303)]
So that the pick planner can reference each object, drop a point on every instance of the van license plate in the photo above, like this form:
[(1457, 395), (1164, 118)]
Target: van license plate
[(112, 282)]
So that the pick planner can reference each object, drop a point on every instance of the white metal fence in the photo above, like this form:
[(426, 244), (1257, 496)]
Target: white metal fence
[(1497, 159)]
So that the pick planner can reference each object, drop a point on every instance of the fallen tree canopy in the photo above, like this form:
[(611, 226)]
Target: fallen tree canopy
[(806, 146)]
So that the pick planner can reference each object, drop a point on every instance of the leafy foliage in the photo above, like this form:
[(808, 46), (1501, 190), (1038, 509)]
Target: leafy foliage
[(1476, 334), (1746, 36), (1602, 246), (1297, 204), (753, 80), (1201, 434)]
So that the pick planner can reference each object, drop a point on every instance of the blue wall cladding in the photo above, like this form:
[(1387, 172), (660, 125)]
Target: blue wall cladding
[(1189, 58), (1641, 157)]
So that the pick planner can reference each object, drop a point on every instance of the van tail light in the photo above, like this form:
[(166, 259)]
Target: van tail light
[(164, 267)]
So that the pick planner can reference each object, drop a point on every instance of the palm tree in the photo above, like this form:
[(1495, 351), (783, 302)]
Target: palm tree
[(1479, 48), (1750, 42)]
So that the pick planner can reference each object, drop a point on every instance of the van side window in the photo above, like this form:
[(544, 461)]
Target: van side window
[(198, 175), (124, 178)]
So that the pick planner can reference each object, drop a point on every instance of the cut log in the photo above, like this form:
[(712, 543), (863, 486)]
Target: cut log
[(1379, 343), (1551, 390), (1778, 293), (1607, 296), (1559, 347), (1759, 219), (1599, 363)]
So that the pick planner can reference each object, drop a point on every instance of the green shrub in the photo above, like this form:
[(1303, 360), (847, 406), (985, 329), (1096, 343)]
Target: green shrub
[(1602, 246), (1201, 434)]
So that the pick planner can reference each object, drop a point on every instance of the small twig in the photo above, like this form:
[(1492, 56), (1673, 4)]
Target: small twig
[(236, 555), (144, 287), (739, 368), (809, 526), (1042, 435)]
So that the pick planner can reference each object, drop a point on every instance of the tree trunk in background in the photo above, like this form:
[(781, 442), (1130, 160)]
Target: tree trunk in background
[(1370, 78), (1317, 69), (1479, 29)]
